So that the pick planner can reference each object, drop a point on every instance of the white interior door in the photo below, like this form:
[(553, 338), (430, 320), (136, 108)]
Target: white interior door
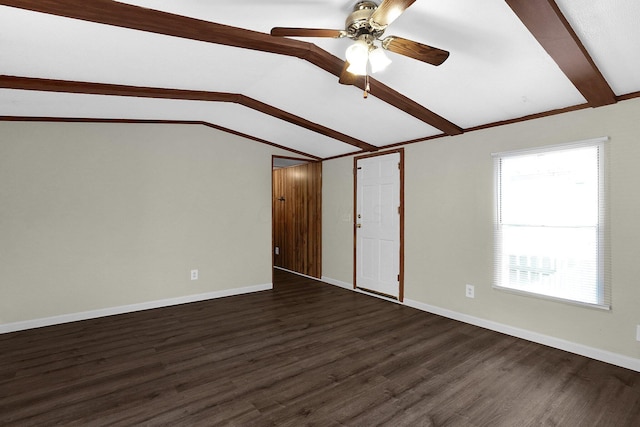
[(378, 224)]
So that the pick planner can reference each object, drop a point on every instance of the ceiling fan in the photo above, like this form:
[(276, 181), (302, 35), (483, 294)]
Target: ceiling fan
[(366, 25)]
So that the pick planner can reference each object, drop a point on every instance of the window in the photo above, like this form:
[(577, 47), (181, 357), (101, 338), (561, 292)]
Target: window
[(550, 223)]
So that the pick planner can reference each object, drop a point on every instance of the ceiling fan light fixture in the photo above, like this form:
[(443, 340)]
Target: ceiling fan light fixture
[(378, 60), (366, 25), (357, 69), (357, 56)]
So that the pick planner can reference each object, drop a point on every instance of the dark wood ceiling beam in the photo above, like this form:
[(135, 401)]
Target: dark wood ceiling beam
[(291, 118), (154, 21), (411, 107), (65, 86), (544, 19), (91, 88), (138, 18), (323, 59)]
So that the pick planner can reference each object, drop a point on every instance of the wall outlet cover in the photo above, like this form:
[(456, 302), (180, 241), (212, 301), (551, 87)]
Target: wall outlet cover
[(194, 274), (470, 291)]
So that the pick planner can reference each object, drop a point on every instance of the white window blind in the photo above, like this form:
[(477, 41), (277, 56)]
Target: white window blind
[(550, 230)]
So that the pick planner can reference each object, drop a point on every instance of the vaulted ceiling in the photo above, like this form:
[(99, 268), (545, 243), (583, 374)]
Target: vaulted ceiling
[(214, 63)]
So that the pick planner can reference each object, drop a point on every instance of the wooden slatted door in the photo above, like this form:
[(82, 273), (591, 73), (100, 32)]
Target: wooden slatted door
[(378, 215), (297, 213)]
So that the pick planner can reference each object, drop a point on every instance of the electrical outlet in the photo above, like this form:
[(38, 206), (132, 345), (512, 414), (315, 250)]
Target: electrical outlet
[(194, 274), (277, 250), (470, 291), (638, 333)]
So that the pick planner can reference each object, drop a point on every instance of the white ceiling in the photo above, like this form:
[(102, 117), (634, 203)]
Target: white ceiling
[(496, 70)]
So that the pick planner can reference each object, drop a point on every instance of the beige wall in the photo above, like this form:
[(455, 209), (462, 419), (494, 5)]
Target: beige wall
[(102, 215), (94, 216), (449, 209)]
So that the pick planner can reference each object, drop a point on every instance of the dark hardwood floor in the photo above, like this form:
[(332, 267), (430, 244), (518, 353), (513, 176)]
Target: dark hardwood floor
[(306, 353)]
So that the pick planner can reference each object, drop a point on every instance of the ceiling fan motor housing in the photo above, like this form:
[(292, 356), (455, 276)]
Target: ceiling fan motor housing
[(357, 24)]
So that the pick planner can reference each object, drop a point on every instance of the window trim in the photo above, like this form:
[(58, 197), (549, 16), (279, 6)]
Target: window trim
[(603, 247)]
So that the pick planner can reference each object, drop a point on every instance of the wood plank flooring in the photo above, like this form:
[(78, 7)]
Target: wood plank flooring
[(306, 353)]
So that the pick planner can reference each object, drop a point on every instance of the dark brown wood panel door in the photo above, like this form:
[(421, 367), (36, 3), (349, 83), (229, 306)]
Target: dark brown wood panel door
[(297, 212)]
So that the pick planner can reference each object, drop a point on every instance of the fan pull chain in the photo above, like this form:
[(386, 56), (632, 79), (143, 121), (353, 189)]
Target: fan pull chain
[(367, 88)]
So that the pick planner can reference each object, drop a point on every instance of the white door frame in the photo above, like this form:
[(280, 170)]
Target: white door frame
[(400, 151)]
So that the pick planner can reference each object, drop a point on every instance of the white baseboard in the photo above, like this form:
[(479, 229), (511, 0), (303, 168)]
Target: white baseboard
[(110, 311), (572, 347)]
